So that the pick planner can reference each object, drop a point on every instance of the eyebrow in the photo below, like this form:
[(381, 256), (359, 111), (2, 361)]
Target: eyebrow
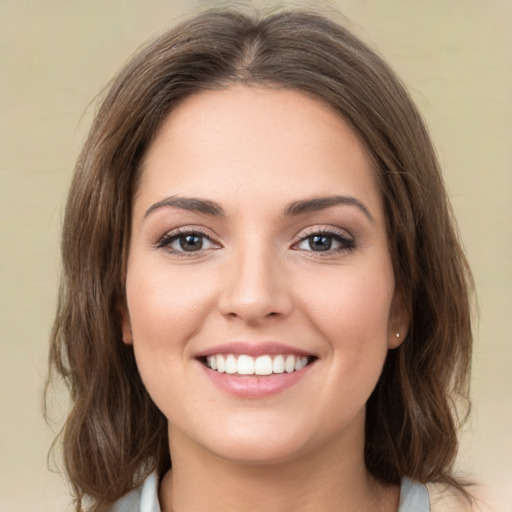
[(189, 203), (293, 209), (321, 203)]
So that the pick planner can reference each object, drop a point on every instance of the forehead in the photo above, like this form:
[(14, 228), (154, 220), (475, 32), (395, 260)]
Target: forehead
[(246, 141)]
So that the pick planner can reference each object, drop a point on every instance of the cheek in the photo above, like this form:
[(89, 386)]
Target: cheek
[(165, 309), (352, 299), (351, 311)]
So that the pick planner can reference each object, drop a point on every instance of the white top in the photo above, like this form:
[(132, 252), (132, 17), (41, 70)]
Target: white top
[(413, 497)]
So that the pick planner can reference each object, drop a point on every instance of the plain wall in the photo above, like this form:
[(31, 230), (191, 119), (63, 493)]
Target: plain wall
[(454, 56)]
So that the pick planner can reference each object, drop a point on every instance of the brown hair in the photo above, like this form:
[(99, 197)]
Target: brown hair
[(114, 434)]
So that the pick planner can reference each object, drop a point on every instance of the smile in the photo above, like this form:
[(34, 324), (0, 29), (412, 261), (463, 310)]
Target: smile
[(255, 370), (267, 364)]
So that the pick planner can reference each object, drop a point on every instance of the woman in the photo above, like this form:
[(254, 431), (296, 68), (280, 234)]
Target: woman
[(262, 281)]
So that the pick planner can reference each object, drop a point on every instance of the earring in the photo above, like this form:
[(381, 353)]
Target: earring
[(398, 335)]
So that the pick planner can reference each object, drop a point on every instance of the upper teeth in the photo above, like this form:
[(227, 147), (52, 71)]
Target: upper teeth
[(262, 365)]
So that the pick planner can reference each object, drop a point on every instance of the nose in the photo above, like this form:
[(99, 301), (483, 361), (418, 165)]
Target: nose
[(255, 288)]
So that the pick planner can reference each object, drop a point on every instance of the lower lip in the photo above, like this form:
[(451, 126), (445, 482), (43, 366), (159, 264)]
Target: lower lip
[(252, 386)]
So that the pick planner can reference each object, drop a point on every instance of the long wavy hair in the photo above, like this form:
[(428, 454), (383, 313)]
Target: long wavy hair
[(114, 434)]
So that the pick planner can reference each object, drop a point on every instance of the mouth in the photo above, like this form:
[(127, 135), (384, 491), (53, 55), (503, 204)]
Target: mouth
[(262, 365), (255, 370)]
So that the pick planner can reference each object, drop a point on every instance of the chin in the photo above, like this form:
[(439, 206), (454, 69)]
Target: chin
[(258, 444), (259, 453)]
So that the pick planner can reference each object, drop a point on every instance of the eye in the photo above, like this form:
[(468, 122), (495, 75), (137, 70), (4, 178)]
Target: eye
[(325, 241), (186, 242)]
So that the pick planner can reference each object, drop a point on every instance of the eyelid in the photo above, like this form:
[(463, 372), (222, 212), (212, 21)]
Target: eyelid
[(163, 241), (332, 230), (342, 235)]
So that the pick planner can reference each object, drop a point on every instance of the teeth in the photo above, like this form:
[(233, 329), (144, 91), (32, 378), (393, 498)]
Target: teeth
[(221, 364), (231, 366), (278, 364), (289, 364), (300, 363), (262, 365), (245, 365)]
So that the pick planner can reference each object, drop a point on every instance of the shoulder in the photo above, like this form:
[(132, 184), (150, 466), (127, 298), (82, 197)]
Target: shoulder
[(141, 499)]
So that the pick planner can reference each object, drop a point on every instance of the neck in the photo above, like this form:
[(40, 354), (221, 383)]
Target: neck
[(331, 478)]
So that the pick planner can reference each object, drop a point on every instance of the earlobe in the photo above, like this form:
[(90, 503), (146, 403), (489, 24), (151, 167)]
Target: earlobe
[(395, 340), (399, 321)]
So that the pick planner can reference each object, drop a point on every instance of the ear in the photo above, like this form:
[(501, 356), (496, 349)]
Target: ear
[(126, 326), (399, 321)]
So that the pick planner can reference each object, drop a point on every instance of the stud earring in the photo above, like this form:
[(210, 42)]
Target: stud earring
[(398, 335)]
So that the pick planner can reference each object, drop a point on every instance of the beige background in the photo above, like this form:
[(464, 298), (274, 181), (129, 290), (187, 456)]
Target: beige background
[(456, 58)]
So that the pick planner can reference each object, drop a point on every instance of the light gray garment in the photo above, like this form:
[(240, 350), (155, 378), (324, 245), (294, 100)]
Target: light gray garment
[(413, 497), (142, 499)]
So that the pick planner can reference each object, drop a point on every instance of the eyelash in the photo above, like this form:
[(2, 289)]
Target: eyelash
[(346, 243), (166, 241)]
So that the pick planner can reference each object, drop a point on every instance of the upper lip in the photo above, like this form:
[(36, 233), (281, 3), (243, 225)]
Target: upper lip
[(253, 349)]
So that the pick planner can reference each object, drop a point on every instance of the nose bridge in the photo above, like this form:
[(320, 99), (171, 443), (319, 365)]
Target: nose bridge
[(255, 287)]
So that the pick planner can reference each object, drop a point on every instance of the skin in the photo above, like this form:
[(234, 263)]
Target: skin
[(253, 151)]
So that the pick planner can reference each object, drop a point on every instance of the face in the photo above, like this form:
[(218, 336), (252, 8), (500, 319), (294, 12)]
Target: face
[(260, 292)]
